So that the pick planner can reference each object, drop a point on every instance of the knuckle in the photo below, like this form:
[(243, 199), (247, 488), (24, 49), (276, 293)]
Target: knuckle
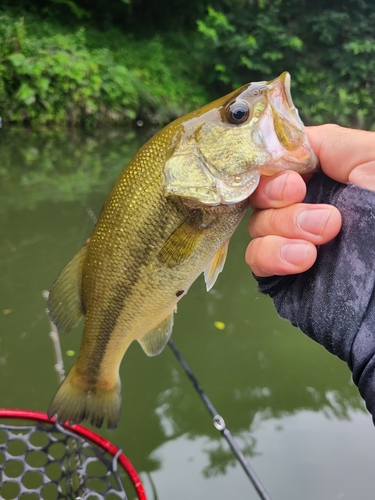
[(257, 257), (276, 221), (253, 254)]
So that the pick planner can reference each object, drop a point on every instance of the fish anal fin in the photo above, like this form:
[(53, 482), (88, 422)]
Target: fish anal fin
[(154, 341), (64, 301), (183, 241), (216, 266), (76, 402)]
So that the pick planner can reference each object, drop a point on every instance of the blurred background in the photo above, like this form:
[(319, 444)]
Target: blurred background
[(83, 84), (90, 62)]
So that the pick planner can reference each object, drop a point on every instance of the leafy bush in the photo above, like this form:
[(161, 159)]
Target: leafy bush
[(155, 60), (329, 51), (170, 86), (59, 78)]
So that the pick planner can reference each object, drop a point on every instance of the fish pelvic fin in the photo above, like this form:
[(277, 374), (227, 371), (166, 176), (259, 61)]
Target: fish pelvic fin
[(216, 266), (64, 302), (74, 402), (156, 339)]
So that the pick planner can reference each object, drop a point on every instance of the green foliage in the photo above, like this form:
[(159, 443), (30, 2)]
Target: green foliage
[(114, 62), (60, 78), (342, 67), (77, 11), (57, 79), (249, 41), (169, 87), (330, 52)]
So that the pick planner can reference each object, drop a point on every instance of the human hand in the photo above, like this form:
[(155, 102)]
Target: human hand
[(285, 231)]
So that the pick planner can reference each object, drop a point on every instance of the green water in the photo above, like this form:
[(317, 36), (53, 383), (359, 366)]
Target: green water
[(291, 405)]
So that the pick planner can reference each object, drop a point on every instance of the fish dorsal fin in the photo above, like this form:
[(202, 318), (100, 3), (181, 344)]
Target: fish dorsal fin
[(156, 339), (216, 266), (64, 301), (183, 241)]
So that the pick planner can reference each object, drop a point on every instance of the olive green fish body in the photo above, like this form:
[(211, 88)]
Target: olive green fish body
[(167, 219), (132, 287)]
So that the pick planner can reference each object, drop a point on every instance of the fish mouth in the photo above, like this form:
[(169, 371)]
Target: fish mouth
[(285, 137), (281, 100), (285, 85)]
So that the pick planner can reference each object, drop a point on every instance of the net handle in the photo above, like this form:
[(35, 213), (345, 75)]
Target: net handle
[(86, 434)]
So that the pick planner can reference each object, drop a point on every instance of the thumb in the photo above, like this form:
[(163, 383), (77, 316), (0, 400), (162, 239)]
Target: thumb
[(342, 150), (364, 175)]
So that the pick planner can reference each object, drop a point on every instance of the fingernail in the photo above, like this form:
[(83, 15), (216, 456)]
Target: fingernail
[(313, 220), (295, 253), (274, 189)]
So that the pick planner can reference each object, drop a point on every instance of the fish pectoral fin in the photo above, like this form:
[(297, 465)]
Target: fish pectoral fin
[(64, 302), (183, 241), (216, 265), (154, 341)]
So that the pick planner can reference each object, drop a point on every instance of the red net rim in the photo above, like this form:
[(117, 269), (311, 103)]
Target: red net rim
[(86, 434)]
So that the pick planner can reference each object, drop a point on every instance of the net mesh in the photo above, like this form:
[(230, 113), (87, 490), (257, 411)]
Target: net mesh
[(44, 460)]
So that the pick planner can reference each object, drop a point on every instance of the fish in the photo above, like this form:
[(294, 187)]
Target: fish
[(168, 218)]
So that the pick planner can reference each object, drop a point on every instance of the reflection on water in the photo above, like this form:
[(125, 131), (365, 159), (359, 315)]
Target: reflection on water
[(304, 456), (290, 404), (50, 165)]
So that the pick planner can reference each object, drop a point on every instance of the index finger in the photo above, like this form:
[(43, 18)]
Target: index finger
[(345, 154)]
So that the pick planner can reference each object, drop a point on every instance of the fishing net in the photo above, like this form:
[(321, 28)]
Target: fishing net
[(44, 460)]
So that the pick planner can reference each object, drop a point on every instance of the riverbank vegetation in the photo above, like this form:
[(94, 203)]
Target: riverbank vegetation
[(88, 63)]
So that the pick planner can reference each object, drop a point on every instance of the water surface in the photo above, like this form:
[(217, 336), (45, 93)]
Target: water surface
[(290, 404)]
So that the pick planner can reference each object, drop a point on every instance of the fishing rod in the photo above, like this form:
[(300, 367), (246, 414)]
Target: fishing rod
[(219, 424)]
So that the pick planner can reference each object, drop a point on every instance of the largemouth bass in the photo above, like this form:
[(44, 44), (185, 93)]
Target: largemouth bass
[(167, 219)]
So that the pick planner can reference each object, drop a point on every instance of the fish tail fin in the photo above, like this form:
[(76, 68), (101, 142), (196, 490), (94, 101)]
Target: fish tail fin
[(74, 402)]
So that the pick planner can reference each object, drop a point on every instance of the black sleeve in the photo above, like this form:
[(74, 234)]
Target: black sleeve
[(334, 302)]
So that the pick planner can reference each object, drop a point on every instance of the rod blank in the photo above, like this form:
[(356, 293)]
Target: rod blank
[(219, 424)]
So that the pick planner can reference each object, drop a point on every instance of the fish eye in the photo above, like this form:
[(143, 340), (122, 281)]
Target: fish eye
[(237, 112)]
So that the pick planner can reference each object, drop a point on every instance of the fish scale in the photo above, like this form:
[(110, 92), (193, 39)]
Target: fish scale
[(167, 219)]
